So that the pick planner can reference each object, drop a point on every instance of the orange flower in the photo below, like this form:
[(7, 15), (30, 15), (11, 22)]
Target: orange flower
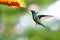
[(17, 3)]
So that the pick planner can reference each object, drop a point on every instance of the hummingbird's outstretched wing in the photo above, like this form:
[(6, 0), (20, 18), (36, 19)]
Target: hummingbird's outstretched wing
[(44, 16)]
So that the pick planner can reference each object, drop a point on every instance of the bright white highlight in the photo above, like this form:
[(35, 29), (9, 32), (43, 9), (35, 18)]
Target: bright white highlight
[(25, 20), (53, 9)]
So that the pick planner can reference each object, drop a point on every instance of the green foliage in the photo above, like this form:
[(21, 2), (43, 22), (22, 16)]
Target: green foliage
[(41, 3), (42, 34)]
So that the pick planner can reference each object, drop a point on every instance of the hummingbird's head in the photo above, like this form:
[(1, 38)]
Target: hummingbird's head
[(32, 11)]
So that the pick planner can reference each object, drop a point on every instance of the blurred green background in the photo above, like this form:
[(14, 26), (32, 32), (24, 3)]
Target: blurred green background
[(10, 18)]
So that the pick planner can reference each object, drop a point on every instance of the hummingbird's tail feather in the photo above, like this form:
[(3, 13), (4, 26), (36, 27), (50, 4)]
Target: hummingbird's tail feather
[(42, 25)]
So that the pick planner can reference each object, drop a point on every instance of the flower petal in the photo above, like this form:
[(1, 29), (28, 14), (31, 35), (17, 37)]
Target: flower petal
[(17, 3)]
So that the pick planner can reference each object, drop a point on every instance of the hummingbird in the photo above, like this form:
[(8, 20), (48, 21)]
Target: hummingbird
[(37, 18)]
